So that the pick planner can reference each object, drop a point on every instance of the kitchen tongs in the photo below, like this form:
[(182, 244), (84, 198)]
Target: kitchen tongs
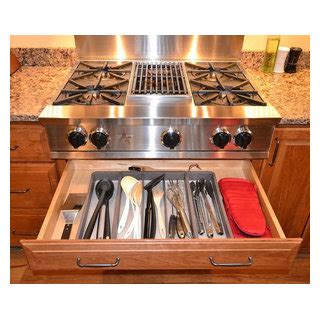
[(150, 222)]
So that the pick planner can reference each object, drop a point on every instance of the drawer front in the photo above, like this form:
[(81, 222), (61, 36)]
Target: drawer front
[(32, 185), (222, 256), (25, 224), (28, 143)]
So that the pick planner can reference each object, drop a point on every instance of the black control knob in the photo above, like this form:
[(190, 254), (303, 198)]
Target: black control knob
[(221, 137), (171, 138), (77, 137), (99, 137), (243, 137)]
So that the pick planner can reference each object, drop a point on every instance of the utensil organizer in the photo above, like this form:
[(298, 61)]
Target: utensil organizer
[(117, 202)]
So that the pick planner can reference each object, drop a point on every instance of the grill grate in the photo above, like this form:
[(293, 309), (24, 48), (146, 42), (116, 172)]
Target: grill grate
[(159, 78)]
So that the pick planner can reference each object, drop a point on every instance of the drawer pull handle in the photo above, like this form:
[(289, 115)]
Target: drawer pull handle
[(232, 264), (24, 233), (194, 165), (20, 191), (98, 265), (275, 153), (14, 148)]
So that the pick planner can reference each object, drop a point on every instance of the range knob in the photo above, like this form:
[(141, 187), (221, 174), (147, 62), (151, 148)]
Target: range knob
[(220, 137), (170, 138), (243, 137), (99, 137), (77, 137)]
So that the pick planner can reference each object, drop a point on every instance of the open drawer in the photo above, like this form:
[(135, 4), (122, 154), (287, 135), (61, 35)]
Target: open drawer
[(221, 255)]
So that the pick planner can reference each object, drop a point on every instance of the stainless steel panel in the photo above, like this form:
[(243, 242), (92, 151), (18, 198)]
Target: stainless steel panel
[(183, 111), (225, 155), (147, 139), (159, 47)]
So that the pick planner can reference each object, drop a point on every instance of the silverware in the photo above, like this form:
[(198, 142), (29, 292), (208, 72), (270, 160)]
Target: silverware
[(195, 204), (204, 213), (217, 227), (209, 190)]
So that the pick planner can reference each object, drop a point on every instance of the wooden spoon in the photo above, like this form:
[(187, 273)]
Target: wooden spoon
[(137, 198), (157, 197)]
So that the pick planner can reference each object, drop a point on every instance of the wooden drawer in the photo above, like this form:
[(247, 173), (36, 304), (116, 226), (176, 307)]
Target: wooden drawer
[(32, 184), (220, 255), (25, 224), (28, 142)]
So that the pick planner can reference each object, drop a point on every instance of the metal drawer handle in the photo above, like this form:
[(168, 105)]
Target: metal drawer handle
[(232, 264), (194, 165), (275, 153), (14, 148), (20, 191), (98, 265), (24, 233)]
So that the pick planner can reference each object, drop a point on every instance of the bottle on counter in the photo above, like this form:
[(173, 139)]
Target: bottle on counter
[(271, 53), (293, 57), (281, 59)]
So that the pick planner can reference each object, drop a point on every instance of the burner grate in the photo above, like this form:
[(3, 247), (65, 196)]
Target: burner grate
[(222, 84), (96, 82), (159, 78)]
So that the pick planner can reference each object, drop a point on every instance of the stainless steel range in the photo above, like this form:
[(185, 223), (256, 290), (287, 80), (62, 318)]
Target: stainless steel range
[(159, 97)]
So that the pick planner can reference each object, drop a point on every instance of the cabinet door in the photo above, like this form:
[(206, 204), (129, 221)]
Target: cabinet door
[(32, 185), (285, 177), (28, 142)]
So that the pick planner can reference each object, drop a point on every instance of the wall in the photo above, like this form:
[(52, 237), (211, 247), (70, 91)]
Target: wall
[(62, 41), (258, 43), (251, 42)]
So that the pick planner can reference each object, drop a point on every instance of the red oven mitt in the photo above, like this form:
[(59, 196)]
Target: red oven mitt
[(243, 207)]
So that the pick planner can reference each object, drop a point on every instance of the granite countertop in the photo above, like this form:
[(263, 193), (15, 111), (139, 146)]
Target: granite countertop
[(32, 88), (288, 93)]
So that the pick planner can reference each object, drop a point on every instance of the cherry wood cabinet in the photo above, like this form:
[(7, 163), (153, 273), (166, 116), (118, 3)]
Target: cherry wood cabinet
[(32, 184), (28, 143), (33, 179), (285, 176)]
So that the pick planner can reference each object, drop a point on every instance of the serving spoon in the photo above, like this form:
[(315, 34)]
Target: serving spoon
[(108, 196), (127, 183), (105, 188), (135, 198)]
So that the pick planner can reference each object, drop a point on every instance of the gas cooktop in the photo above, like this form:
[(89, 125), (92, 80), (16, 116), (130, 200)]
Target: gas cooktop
[(157, 103), (107, 83)]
